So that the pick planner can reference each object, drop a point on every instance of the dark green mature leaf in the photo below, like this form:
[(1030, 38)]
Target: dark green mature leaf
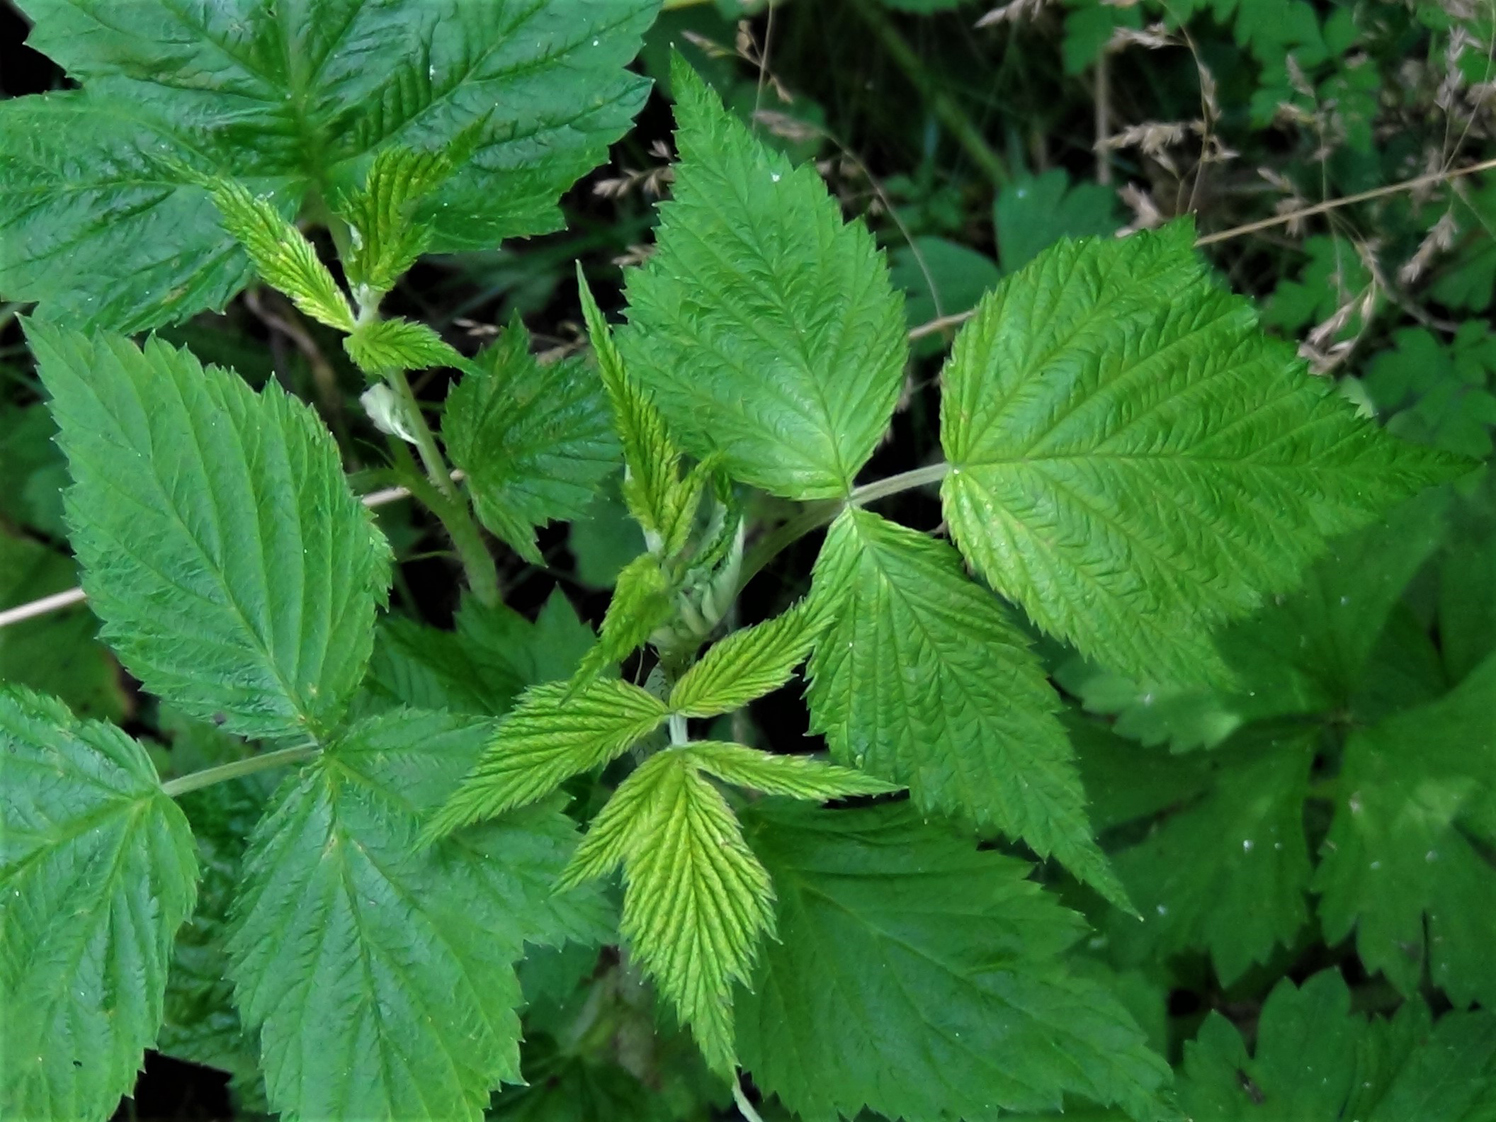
[(295, 99), (1134, 462), (96, 875), (1038, 210), (765, 328), (535, 441), (922, 679), (1316, 1061), (920, 977), (1406, 862), (554, 732), (236, 574), (379, 973)]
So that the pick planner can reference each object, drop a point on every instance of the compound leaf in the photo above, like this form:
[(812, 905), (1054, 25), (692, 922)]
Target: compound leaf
[(1134, 462), (236, 574), (297, 99), (379, 973), (1406, 860), (765, 328), (921, 678), (97, 872), (746, 665), (553, 733), (535, 440), (920, 977)]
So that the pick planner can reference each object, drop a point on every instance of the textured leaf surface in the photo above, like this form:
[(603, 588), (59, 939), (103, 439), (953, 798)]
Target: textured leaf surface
[(1406, 862), (96, 874), (1133, 461), (1316, 1061), (921, 678), (293, 98), (641, 603), (398, 344), (235, 572), (379, 973), (764, 326), (536, 441), (746, 665), (919, 977), (800, 777), (551, 735)]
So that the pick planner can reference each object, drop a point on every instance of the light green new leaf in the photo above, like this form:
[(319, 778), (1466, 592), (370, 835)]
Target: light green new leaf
[(1406, 860), (764, 327), (746, 665), (281, 254), (379, 973), (535, 441), (1134, 462), (96, 874), (553, 733), (380, 346), (799, 777), (623, 824), (641, 603), (295, 99), (236, 574), (386, 235), (651, 482), (1316, 1061), (921, 678), (920, 977)]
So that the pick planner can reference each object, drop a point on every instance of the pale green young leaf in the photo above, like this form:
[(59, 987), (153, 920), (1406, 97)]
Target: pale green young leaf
[(379, 346), (920, 977), (746, 665), (766, 328), (798, 777), (236, 574), (387, 236), (641, 603), (921, 678), (1406, 862), (379, 973), (535, 440), (294, 99), (281, 254), (1317, 1061), (696, 906), (1133, 461), (651, 483), (624, 822), (553, 733), (97, 872)]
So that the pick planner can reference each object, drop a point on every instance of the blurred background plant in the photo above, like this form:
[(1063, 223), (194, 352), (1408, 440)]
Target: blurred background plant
[(1331, 152)]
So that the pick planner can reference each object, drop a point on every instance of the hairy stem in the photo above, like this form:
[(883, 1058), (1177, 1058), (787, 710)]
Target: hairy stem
[(208, 776)]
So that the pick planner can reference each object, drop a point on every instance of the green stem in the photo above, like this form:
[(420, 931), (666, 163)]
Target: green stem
[(445, 501), (941, 104), (209, 776)]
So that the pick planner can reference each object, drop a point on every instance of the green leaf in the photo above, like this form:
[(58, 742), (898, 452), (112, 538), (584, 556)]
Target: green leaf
[(551, 735), (651, 482), (766, 329), (427, 668), (281, 254), (1038, 210), (746, 665), (1406, 862), (297, 100), (940, 277), (641, 603), (697, 901), (543, 651), (380, 346), (236, 574), (1134, 462), (799, 777), (386, 235), (378, 973), (1225, 868), (1316, 1061), (535, 441), (920, 977), (96, 875), (921, 679)]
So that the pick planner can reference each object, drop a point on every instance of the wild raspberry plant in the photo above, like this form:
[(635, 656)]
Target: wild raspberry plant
[(1129, 464)]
